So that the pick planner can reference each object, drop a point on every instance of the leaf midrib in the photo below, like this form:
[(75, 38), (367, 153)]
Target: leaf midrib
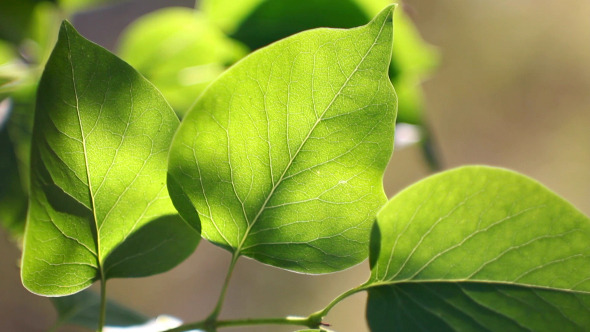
[(92, 201), (371, 284), (320, 118)]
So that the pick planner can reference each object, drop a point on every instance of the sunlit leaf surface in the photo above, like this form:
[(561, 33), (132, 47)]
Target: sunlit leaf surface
[(283, 156), (100, 142), (478, 247)]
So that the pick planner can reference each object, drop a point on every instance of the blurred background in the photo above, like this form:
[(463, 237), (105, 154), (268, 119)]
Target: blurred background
[(509, 87)]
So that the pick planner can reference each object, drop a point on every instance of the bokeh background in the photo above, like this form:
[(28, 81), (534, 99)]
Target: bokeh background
[(512, 89)]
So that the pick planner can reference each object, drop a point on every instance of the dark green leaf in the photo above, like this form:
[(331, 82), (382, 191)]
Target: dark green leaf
[(272, 20), (13, 198), (283, 156), (462, 306)]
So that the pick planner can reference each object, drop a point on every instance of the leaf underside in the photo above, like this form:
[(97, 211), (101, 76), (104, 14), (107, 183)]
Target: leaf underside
[(440, 306), (477, 248), (283, 156), (83, 308), (100, 142)]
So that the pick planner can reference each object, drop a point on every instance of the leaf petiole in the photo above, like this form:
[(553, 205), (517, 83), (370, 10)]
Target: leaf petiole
[(213, 316), (103, 304), (319, 315)]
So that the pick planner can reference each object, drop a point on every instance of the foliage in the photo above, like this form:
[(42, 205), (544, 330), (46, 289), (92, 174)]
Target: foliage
[(280, 159)]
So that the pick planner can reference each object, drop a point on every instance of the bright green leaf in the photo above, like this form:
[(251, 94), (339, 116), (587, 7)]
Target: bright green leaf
[(82, 309), (100, 142), (283, 156), (179, 51), (7, 53), (228, 14), (479, 246)]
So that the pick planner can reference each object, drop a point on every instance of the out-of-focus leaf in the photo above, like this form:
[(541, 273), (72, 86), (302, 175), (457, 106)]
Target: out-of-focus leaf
[(479, 248), (15, 136), (42, 34), (229, 14), (98, 168), (179, 51), (13, 198), (283, 156), (73, 6), (82, 309), (412, 61), (272, 20), (15, 18), (7, 53)]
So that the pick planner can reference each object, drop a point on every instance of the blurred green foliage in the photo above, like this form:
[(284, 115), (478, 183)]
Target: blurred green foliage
[(179, 51)]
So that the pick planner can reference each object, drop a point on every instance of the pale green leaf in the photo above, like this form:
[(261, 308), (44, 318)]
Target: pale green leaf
[(179, 51), (478, 246), (283, 156), (83, 308), (100, 141)]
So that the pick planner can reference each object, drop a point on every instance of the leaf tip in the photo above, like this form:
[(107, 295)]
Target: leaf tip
[(66, 26), (385, 16)]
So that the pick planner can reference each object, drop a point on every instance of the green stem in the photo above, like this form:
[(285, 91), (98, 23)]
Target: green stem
[(312, 321), (213, 316), (103, 304), (212, 325), (319, 315)]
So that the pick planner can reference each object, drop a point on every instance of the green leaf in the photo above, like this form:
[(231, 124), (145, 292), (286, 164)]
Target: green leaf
[(272, 20), (73, 6), (100, 141), (283, 156), (260, 22), (478, 246), (229, 15), (13, 198), (464, 306), (82, 309), (179, 51), (412, 61)]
